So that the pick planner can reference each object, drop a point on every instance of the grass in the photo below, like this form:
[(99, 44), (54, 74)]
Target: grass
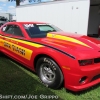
[(17, 80)]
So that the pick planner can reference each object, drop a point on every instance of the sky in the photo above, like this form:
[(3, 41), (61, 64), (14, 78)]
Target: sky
[(10, 7)]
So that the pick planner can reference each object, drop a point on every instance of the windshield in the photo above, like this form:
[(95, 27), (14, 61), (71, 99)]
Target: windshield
[(39, 30)]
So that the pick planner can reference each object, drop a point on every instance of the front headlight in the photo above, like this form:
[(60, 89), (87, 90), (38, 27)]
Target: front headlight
[(86, 62)]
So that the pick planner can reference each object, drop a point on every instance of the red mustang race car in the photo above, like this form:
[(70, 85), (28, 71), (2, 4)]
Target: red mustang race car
[(57, 57)]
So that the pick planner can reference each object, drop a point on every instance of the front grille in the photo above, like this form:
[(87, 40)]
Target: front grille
[(97, 60), (96, 77)]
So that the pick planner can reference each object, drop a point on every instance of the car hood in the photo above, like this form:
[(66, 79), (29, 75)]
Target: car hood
[(77, 45)]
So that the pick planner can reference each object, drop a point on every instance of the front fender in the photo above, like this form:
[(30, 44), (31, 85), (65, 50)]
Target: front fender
[(60, 58)]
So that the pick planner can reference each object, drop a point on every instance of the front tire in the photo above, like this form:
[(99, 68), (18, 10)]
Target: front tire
[(49, 72)]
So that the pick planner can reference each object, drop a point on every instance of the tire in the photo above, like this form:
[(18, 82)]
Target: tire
[(49, 72)]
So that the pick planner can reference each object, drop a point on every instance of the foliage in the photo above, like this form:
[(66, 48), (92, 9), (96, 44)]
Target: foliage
[(18, 1)]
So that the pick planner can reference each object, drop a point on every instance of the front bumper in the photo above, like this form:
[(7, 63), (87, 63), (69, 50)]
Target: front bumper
[(85, 86), (92, 74)]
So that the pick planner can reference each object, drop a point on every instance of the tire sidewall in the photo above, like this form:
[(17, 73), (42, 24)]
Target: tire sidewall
[(58, 74)]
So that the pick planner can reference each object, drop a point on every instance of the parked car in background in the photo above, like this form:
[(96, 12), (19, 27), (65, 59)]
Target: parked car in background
[(3, 20), (58, 58)]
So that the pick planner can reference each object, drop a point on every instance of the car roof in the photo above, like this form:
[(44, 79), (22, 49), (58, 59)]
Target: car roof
[(26, 23)]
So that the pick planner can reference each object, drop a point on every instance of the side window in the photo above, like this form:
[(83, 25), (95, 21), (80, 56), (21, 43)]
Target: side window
[(4, 28), (17, 31), (8, 29)]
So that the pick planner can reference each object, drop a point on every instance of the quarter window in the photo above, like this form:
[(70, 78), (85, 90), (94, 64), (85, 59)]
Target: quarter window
[(8, 29), (12, 29)]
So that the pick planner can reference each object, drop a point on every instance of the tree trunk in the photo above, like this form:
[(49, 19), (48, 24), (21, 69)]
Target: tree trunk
[(17, 2)]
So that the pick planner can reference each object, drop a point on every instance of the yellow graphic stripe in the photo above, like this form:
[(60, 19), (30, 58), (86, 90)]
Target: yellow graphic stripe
[(19, 50), (66, 38), (25, 42), (64, 42), (13, 45), (0, 42), (29, 43)]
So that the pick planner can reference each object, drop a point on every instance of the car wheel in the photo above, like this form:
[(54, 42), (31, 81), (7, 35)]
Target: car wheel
[(49, 72)]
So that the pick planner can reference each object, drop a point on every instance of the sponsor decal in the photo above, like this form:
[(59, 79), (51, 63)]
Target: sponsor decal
[(29, 25), (21, 51), (13, 45), (49, 62)]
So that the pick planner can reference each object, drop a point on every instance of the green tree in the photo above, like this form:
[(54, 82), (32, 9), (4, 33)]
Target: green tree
[(18, 1)]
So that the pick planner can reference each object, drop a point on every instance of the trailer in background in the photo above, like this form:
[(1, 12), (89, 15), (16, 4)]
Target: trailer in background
[(8, 16), (14, 18), (3, 20), (76, 16), (5, 17)]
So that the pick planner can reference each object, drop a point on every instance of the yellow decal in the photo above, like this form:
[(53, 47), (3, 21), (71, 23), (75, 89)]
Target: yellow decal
[(25, 42), (66, 38), (12, 45), (21, 51), (1, 42)]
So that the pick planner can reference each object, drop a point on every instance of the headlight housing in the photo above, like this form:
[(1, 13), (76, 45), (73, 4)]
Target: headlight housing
[(86, 62)]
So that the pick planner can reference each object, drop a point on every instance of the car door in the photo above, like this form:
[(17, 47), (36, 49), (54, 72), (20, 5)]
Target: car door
[(14, 45), (6, 31)]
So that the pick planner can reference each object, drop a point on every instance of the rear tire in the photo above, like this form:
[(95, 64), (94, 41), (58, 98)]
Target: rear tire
[(49, 72)]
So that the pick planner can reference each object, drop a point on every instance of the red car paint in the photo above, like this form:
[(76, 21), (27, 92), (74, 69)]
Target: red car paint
[(65, 48)]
